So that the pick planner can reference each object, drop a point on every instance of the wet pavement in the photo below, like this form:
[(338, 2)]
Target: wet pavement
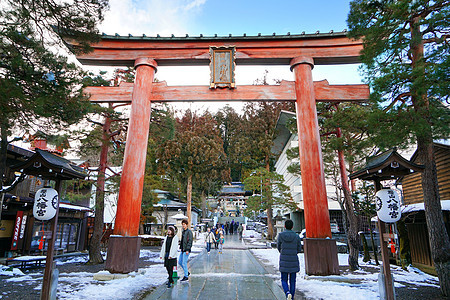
[(234, 274)]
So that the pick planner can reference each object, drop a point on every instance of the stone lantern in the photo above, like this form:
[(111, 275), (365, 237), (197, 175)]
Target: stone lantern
[(179, 217), (279, 222)]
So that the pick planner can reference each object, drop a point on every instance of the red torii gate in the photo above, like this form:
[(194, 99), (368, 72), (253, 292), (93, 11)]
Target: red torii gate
[(301, 52)]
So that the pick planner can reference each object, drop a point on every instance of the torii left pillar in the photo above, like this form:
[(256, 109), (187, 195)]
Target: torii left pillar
[(124, 246)]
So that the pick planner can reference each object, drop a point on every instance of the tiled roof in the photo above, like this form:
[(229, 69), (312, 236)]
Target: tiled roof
[(387, 165), (187, 37), (50, 166)]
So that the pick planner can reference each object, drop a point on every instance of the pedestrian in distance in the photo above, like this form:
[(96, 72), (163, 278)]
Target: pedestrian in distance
[(185, 246), (209, 239), (289, 246), (217, 236), (169, 253), (221, 242)]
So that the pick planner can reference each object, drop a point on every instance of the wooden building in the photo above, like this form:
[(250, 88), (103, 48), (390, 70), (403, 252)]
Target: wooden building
[(413, 210), (167, 207), (17, 210)]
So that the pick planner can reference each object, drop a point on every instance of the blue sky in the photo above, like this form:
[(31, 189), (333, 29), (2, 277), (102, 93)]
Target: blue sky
[(223, 17), (266, 17)]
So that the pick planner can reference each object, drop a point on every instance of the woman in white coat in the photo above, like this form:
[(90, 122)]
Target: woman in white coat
[(169, 252)]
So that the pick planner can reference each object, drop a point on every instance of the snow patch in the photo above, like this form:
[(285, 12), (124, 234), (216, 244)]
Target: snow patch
[(359, 284)]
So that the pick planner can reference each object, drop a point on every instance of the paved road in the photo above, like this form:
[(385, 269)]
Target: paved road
[(235, 274)]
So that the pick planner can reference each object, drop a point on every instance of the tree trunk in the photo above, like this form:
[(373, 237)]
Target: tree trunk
[(165, 218), (374, 247), (189, 200), (439, 238), (3, 154), (352, 234), (365, 247), (404, 249), (204, 212), (95, 256), (269, 212)]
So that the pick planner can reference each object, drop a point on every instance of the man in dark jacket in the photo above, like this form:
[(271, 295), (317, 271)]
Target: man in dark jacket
[(185, 245), (289, 246)]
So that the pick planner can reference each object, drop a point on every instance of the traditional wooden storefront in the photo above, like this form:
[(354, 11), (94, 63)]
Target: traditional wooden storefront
[(20, 233), (414, 213)]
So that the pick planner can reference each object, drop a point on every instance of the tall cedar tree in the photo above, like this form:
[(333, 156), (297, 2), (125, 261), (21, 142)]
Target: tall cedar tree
[(406, 61), (196, 150), (231, 126), (260, 120), (101, 148), (38, 86)]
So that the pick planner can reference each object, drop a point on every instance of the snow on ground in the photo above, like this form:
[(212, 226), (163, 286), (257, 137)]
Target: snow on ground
[(360, 284), (10, 271), (81, 285), (356, 285), (79, 259), (253, 237)]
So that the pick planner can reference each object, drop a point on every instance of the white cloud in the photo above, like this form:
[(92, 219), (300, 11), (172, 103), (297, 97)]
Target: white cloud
[(151, 17), (195, 4)]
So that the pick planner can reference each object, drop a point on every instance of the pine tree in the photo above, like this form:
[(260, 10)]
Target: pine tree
[(406, 61), (272, 192), (38, 86)]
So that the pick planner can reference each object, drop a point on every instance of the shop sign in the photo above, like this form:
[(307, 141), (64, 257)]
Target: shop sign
[(15, 239), (46, 203), (22, 226), (388, 206)]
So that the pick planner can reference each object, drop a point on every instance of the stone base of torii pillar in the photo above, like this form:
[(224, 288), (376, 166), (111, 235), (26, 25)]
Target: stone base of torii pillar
[(321, 257), (123, 254)]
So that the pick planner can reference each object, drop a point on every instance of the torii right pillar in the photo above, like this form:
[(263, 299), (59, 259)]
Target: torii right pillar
[(320, 250)]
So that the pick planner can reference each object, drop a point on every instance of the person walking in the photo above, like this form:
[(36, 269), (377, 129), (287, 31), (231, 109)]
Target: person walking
[(221, 242), (217, 236), (209, 239), (185, 246), (169, 253), (289, 246), (231, 229)]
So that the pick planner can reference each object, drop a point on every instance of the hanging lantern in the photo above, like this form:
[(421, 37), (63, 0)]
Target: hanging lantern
[(46, 202), (388, 206)]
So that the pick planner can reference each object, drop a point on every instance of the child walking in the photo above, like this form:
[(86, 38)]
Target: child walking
[(221, 241)]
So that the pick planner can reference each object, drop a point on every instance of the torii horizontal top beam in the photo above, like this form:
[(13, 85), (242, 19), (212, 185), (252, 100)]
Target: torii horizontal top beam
[(325, 49), (283, 92)]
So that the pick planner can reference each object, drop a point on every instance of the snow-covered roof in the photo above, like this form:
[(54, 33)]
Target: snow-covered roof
[(445, 205), (73, 207)]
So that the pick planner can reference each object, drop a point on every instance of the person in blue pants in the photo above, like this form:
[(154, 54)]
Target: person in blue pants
[(289, 246), (185, 245), (209, 239)]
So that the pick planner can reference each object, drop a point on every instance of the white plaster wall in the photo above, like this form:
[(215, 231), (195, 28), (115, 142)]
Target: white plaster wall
[(294, 182)]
